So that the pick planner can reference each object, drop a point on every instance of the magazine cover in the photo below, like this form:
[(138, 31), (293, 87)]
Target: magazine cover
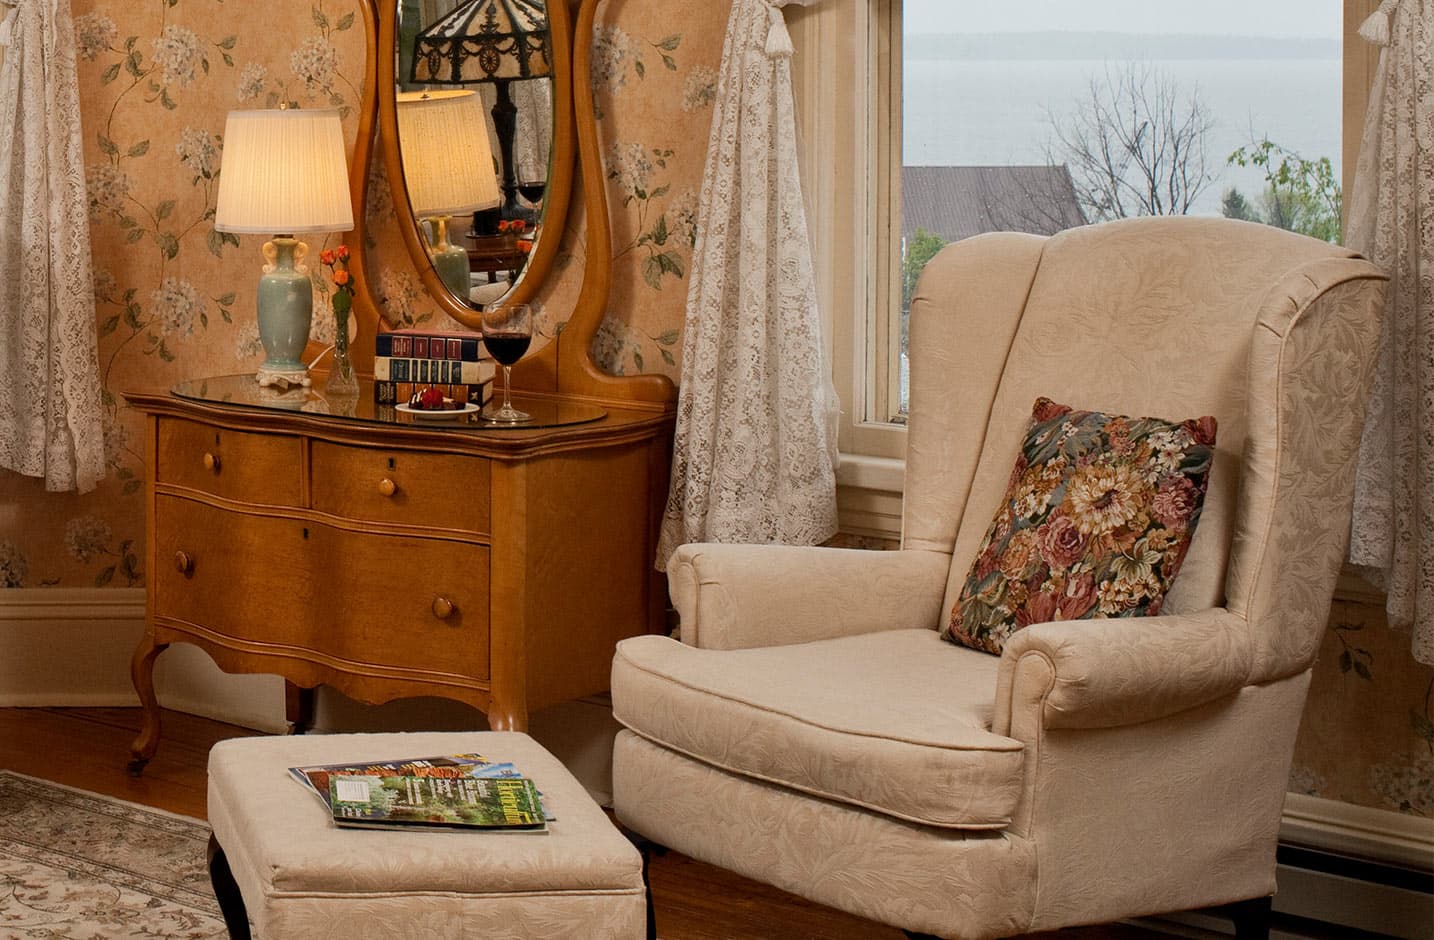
[(401, 802), (316, 778), (451, 766)]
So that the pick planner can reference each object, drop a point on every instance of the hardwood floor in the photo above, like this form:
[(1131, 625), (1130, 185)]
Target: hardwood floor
[(89, 748)]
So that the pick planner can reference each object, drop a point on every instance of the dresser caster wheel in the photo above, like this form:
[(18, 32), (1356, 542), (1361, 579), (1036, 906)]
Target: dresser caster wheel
[(136, 766)]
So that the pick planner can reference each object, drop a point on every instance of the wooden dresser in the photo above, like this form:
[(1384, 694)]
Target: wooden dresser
[(389, 557)]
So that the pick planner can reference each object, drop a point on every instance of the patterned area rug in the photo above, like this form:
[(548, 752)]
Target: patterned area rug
[(81, 866)]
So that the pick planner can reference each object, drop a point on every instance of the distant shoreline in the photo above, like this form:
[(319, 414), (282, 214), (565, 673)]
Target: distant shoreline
[(1062, 45)]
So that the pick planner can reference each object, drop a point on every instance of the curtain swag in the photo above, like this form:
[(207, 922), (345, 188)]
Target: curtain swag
[(1391, 222), (754, 455), (51, 417)]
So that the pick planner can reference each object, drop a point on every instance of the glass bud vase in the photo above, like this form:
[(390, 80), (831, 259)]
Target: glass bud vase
[(343, 383)]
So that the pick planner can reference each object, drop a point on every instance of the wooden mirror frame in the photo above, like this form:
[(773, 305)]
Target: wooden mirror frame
[(564, 366), (560, 173)]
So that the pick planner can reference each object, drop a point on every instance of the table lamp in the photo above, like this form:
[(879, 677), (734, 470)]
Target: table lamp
[(489, 41), (284, 173), (447, 171)]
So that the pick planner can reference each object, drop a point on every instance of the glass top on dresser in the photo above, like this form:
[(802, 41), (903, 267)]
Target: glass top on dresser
[(244, 391)]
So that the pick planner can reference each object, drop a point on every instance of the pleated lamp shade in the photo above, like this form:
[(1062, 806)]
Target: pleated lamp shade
[(283, 172), (447, 163)]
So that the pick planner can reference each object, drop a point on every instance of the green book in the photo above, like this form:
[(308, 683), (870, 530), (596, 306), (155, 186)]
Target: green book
[(406, 802)]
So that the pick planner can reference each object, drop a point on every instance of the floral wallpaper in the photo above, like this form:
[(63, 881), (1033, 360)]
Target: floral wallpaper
[(175, 298), (1367, 735)]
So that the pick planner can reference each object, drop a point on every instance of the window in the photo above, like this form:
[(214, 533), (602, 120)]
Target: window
[(1038, 118), (961, 118)]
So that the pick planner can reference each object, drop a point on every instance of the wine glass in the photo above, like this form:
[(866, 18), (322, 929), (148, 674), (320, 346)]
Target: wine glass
[(507, 331), (532, 181)]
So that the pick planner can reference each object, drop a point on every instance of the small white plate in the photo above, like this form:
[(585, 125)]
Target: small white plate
[(467, 409)]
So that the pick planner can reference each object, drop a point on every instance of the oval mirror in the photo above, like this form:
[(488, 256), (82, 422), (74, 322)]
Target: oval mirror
[(475, 108)]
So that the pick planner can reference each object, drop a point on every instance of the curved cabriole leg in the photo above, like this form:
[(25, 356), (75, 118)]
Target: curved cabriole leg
[(141, 672), (298, 707), (504, 717), (226, 892)]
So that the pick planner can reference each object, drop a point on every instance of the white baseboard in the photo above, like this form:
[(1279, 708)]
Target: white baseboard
[(72, 647), (67, 646), (1361, 831)]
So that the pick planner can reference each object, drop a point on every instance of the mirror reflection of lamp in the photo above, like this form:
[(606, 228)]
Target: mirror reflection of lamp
[(284, 171), (447, 170), (489, 41)]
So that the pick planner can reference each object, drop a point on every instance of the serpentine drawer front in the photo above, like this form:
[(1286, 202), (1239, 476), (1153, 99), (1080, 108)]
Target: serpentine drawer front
[(261, 468), (387, 560), (300, 587), (441, 491)]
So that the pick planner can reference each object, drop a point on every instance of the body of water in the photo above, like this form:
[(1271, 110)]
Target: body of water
[(997, 111)]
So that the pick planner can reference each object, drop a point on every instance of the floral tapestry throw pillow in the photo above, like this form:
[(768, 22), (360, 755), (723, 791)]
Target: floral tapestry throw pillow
[(1098, 516)]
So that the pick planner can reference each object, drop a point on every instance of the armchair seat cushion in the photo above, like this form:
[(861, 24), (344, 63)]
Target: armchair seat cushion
[(897, 722)]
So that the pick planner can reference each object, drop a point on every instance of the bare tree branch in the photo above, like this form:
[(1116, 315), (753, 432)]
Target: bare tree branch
[(1135, 145)]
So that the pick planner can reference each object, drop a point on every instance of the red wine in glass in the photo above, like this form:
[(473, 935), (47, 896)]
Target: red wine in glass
[(507, 333), (532, 190), (507, 348)]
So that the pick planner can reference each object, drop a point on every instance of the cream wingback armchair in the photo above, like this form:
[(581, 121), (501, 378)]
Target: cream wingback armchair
[(812, 730)]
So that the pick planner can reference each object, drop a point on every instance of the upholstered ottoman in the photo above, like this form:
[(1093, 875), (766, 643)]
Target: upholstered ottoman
[(300, 877)]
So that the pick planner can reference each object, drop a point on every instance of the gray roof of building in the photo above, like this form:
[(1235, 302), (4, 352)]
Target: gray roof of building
[(959, 201)]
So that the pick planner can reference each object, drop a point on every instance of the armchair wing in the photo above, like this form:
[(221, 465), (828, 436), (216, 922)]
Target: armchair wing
[(740, 596)]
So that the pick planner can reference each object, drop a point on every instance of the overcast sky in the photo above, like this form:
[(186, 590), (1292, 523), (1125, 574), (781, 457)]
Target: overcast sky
[(1290, 18)]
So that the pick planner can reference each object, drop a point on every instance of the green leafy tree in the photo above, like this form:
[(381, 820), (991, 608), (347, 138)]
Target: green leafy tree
[(1300, 195), (1234, 205), (918, 250)]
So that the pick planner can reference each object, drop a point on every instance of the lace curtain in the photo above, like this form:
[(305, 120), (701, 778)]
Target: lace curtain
[(1391, 222), (754, 456), (51, 423)]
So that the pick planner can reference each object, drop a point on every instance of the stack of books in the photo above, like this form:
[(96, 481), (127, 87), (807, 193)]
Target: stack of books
[(408, 361), (457, 791)]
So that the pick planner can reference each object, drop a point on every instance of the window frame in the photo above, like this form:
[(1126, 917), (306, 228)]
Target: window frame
[(850, 156)]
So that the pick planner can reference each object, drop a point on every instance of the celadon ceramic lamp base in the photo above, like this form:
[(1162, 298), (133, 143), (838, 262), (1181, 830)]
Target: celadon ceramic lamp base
[(450, 261), (285, 311)]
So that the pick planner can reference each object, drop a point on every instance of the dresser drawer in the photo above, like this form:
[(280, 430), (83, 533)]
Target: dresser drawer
[(320, 592), (239, 465), (445, 491)]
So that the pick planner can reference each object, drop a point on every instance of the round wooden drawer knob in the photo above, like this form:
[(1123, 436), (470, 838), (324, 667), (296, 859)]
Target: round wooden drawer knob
[(183, 563), (442, 607), (211, 462), (387, 487)]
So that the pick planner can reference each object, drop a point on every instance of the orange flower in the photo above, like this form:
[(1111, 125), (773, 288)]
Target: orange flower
[(341, 278), (326, 256), (342, 252), (525, 247)]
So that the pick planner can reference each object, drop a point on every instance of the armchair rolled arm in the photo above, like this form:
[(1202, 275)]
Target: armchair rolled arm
[(1122, 671), (739, 596)]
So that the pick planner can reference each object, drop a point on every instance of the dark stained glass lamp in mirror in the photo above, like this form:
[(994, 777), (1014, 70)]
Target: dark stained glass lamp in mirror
[(483, 42)]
